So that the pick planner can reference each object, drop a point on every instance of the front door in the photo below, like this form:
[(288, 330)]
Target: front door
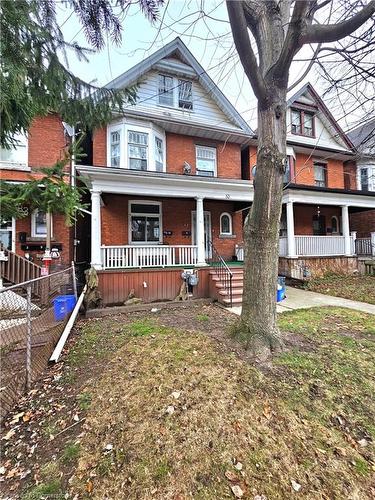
[(207, 232)]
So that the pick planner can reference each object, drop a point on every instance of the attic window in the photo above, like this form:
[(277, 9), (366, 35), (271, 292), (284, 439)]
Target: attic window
[(175, 92), (185, 97), (302, 122)]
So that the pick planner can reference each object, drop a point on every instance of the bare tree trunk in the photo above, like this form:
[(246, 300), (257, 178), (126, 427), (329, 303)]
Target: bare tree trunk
[(258, 319)]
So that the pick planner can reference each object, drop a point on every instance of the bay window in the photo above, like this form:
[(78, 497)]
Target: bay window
[(159, 154), (115, 146), (205, 161), (15, 157), (145, 222), (137, 150)]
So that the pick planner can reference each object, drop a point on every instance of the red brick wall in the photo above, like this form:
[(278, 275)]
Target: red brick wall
[(61, 234), (363, 223), (181, 148), (99, 147), (46, 141), (176, 217), (303, 217), (304, 170)]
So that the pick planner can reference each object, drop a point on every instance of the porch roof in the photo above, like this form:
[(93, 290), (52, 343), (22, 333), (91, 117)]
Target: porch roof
[(335, 197), (140, 183)]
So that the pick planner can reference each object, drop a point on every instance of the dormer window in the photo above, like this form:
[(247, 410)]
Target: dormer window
[(175, 92), (302, 122)]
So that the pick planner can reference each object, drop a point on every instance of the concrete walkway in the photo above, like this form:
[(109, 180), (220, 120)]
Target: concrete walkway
[(302, 299)]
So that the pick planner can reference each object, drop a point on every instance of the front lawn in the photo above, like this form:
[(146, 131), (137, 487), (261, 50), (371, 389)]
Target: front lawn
[(360, 288), (167, 406)]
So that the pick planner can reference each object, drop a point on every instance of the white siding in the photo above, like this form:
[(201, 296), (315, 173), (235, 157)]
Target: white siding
[(324, 136), (205, 110)]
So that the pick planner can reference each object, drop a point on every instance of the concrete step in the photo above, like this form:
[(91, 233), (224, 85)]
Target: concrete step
[(235, 301), (235, 284), (236, 292)]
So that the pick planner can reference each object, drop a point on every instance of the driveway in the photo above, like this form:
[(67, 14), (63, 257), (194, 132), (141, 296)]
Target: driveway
[(302, 299)]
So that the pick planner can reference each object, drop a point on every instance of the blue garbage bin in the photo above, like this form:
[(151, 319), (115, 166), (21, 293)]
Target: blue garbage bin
[(280, 294), (63, 305)]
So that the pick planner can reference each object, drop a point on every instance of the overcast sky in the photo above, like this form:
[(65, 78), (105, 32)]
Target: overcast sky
[(208, 38)]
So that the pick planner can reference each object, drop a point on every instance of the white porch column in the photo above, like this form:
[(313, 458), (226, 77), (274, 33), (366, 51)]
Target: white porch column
[(290, 230), (345, 229), (201, 257), (96, 258), (372, 240)]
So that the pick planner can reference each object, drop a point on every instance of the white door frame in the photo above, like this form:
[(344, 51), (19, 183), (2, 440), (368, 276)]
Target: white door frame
[(12, 229), (207, 231)]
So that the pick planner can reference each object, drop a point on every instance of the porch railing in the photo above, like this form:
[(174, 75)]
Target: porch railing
[(363, 246), (223, 272), (320, 245), (17, 269), (127, 256)]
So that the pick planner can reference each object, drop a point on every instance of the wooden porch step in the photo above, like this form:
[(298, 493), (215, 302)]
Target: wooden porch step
[(235, 278), (235, 271)]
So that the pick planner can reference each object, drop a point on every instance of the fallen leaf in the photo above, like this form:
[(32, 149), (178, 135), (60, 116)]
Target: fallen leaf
[(296, 486), (9, 434), (237, 491), (17, 417), (176, 394), (170, 410), (89, 486), (231, 476), (238, 466), (267, 412)]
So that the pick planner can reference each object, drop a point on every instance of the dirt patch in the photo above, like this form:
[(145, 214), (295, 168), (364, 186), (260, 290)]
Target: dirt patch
[(361, 288)]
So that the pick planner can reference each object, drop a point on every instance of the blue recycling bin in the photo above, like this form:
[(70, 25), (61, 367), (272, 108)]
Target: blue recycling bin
[(63, 305), (280, 294)]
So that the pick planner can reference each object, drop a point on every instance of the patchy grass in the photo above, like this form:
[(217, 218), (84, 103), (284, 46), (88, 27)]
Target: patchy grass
[(173, 409), (361, 288)]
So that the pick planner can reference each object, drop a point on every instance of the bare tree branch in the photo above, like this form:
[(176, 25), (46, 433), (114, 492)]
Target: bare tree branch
[(244, 48), (333, 32), (307, 70)]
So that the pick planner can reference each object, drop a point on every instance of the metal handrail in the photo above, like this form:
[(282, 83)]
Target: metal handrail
[(223, 272)]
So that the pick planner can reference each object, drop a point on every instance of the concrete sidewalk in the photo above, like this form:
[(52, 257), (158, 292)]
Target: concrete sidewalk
[(302, 299)]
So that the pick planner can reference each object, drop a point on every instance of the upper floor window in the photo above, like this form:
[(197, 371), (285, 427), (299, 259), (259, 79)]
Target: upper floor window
[(364, 179), (206, 161), (302, 122), (159, 154), (166, 90), (115, 148), (16, 156), (320, 174), (39, 224), (137, 150), (175, 92)]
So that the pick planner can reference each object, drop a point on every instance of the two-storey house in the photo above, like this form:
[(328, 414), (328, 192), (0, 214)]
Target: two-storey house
[(42, 147), (173, 179)]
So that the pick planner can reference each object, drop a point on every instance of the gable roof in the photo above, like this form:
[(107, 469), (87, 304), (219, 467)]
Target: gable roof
[(177, 47), (308, 88), (363, 137)]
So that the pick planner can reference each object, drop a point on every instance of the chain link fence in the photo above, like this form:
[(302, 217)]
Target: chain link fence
[(33, 316)]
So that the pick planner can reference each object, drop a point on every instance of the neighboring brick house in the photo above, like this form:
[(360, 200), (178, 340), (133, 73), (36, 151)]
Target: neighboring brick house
[(363, 138), (44, 145)]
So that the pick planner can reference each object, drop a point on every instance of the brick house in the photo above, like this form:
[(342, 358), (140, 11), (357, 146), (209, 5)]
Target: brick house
[(172, 181), (43, 146)]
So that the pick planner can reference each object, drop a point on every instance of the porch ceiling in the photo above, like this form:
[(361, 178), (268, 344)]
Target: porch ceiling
[(121, 181)]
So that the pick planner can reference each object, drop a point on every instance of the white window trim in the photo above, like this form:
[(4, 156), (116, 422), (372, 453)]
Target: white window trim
[(175, 89), (11, 228), (17, 165), (337, 225), (145, 202), (197, 146), (123, 128), (33, 226), (230, 224)]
